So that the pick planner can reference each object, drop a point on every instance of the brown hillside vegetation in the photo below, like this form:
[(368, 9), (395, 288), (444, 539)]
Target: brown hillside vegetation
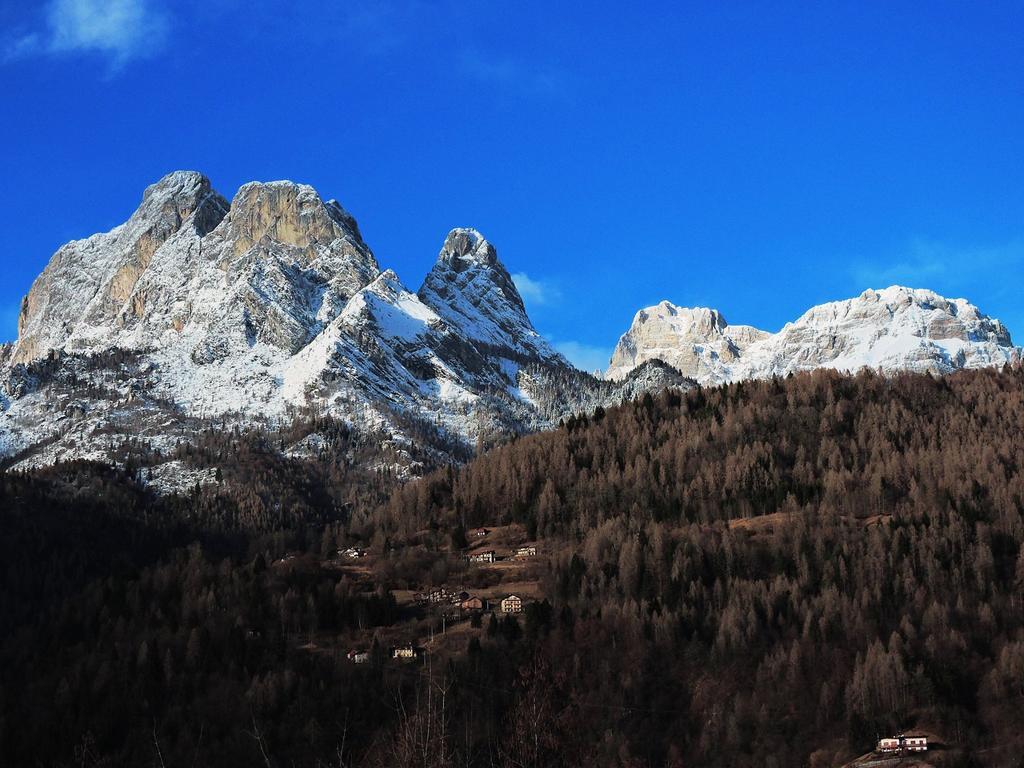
[(772, 574), (883, 592)]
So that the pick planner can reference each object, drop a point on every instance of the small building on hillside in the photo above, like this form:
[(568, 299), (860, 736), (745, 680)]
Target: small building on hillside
[(489, 556), (512, 604), (903, 743), (405, 652), (352, 553), (473, 604), (457, 598), (358, 657), (439, 595), (480, 532), (527, 551)]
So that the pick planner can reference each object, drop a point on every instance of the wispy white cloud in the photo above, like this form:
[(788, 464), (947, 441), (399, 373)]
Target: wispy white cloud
[(535, 292), (511, 75), (586, 357), (120, 30), (22, 46), (927, 263), (989, 276)]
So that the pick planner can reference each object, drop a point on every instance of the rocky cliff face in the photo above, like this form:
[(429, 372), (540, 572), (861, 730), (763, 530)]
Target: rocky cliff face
[(188, 269), (697, 342), (896, 329), (199, 310), (89, 295), (474, 292), (276, 270)]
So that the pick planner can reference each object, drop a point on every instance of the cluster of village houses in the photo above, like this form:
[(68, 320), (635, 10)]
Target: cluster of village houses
[(491, 556), (401, 652), (903, 743), (487, 556), (461, 602), (454, 604), (468, 603)]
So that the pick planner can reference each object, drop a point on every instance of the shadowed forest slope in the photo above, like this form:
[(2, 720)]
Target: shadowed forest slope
[(797, 565), (771, 573)]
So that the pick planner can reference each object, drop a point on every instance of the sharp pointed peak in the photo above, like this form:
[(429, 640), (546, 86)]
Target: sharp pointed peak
[(468, 244), (177, 182), (387, 280)]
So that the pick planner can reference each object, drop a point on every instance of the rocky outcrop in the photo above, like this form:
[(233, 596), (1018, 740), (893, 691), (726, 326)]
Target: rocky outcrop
[(286, 263), (290, 222), (896, 329), (190, 270), (471, 289), (698, 342), (89, 293)]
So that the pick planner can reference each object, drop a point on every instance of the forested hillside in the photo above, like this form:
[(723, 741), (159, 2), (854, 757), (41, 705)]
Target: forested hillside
[(791, 563), (770, 573)]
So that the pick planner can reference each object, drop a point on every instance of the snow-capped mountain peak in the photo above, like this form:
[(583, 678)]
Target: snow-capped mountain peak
[(88, 295), (892, 329), (465, 244), (197, 309), (696, 341), (472, 290), (921, 311), (294, 215)]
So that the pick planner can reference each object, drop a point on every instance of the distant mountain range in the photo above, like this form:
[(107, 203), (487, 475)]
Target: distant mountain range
[(198, 311), (896, 329)]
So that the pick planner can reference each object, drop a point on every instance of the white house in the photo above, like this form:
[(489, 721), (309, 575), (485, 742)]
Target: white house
[(404, 652), (903, 743), (512, 604)]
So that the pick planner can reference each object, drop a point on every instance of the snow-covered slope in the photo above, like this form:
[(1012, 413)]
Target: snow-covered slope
[(896, 329), (198, 312), (471, 289), (187, 269)]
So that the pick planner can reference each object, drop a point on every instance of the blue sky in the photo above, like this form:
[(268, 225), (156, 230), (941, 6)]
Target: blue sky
[(754, 157)]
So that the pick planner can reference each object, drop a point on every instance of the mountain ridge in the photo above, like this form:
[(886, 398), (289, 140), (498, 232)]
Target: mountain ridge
[(892, 329), (254, 310), (200, 311)]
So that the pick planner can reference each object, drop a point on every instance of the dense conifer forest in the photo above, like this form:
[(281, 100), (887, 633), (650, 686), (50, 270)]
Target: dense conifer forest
[(772, 573)]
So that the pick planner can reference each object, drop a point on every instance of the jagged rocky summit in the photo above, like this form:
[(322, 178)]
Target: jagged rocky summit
[(199, 311), (896, 329)]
